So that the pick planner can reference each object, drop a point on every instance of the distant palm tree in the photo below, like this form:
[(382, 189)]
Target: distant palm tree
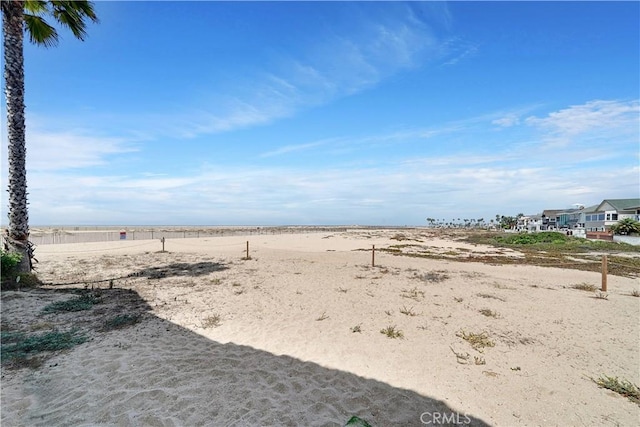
[(18, 17), (626, 226)]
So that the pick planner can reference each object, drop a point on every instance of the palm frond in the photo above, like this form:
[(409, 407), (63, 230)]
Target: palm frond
[(39, 31), (72, 15), (37, 7)]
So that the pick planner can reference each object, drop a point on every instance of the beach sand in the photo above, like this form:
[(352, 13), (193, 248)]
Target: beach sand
[(292, 336)]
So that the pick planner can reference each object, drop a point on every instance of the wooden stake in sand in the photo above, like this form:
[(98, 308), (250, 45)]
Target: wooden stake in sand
[(247, 249), (604, 273), (162, 240), (373, 256)]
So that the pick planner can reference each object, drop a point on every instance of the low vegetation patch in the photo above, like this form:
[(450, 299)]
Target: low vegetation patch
[(534, 238), (548, 240), (478, 341), (399, 237), (392, 332), (489, 296), (489, 313), (408, 311), (558, 249), (585, 287), (434, 276), (21, 350), (465, 358), (479, 360), (121, 321), (84, 302), (212, 321), (602, 295), (413, 294), (322, 317), (622, 387)]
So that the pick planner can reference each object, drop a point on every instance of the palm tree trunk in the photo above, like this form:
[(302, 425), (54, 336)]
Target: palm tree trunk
[(17, 237)]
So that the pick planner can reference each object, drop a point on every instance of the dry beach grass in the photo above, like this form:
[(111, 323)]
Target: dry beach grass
[(307, 332)]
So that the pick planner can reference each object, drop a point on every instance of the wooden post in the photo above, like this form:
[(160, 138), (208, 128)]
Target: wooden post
[(373, 256), (162, 240), (604, 273), (247, 249)]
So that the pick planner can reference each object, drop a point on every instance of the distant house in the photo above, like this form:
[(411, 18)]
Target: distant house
[(532, 223), (523, 223), (560, 219), (590, 210), (609, 212), (569, 218), (549, 220)]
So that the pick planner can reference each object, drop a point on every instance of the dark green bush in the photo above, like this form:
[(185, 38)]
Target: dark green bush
[(83, 302), (20, 346), (534, 238), (10, 261)]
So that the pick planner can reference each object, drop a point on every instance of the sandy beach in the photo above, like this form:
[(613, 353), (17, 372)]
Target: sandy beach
[(293, 336)]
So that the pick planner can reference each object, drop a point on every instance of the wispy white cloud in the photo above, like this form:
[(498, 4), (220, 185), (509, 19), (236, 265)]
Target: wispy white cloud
[(339, 64), (50, 149), (298, 147), (456, 50), (507, 121), (525, 140), (342, 61), (592, 119)]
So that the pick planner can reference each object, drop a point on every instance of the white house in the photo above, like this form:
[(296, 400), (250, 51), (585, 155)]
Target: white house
[(609, 212)]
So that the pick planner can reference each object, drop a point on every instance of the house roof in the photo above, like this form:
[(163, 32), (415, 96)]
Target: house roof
[(551, 212), (591, 209), (621, 204)]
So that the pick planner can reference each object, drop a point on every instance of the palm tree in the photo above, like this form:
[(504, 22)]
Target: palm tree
[(626, 226), (19, 16)]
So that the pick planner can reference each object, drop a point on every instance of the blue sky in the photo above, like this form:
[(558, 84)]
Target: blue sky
[(383, 113)]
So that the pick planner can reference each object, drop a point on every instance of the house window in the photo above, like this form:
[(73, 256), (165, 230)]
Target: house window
[(614, 217), (588, 218), (601, 217)]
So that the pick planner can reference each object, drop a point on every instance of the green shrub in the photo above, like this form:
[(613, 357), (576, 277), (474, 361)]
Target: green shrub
[(534, 238), (10, 261), (18, 347), (392, 332), (622, 387), (83, 302), (626, 226)]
